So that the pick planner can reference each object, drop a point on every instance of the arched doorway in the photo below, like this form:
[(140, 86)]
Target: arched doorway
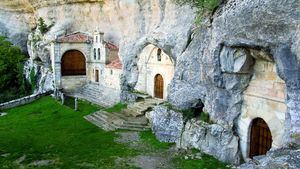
[(260, 138), (159, 86), (73, 63)]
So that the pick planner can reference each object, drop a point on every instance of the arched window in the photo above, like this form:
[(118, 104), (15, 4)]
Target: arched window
[(99, 54), (95, 53), (159, 55), (73, 63)]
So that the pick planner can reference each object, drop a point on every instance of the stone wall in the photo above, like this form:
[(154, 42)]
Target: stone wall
[(21, 101), (73, 83)]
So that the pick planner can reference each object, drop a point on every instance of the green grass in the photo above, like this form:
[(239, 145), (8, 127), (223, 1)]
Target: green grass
[(149, 138), (46, 130), (116, 108), (207, 162)]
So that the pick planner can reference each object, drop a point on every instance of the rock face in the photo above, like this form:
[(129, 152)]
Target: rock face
[(212, 139), (214, 61), (166, 124), (280, 158)]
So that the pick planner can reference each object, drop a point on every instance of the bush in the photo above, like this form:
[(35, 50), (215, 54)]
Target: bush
[(33, 79), (12, 80), (42, 26), (201, 5)]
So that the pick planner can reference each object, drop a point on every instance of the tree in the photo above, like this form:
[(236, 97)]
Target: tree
[(12, 81)]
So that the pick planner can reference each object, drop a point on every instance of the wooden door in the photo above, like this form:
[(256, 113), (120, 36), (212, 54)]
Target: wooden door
[(159, 86), (73, 63), (261, 138)]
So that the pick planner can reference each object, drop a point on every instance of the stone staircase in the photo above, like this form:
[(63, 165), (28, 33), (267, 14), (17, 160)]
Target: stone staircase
[(114, 121), (138, 109), (132, 118), (98, 94)]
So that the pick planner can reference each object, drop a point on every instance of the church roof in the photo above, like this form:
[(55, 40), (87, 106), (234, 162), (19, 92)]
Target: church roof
[(111, 46), (115, 64), (76, 37)]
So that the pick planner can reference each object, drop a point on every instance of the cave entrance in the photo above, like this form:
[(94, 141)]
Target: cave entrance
[(73, 63), (198, 108), (260, 138)]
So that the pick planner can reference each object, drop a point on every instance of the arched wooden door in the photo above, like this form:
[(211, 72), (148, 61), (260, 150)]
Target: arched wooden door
[(260, 139), (73, 63), (159, 86)]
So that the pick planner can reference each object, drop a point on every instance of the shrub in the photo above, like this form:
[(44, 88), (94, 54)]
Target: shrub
[(12, 80), (202, 6), (33, 79), (42, 26)]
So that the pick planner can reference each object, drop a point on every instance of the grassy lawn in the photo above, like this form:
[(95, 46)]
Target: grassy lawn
[(46, 130)]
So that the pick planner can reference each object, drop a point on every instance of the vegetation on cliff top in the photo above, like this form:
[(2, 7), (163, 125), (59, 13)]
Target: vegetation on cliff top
[(12, 81), (203, 6)]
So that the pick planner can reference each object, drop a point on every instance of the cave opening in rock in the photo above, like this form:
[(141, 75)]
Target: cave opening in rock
[(197, 108)]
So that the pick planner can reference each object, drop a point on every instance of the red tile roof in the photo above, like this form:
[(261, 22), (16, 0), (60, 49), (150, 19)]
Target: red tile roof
[(115, 64), (111, 46), (74, 38)]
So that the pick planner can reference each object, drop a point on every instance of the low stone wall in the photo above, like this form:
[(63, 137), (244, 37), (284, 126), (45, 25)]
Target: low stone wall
[(21, 101)]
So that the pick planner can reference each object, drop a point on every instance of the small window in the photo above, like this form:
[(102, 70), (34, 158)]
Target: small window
[(95, 53), (101, 72), (111, 72), (96, 39), (99, 54), (159, 55)]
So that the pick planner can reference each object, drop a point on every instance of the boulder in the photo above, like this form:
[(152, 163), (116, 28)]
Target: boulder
[(166, 124), (212, 139), (279, 158)]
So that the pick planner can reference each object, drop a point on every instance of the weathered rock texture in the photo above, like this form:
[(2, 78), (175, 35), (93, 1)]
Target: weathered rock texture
[(280, 158), (240, 30), (212, 139), (166, 124)]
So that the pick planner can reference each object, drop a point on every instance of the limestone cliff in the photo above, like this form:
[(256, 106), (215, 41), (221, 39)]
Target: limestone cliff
[(239, 30)]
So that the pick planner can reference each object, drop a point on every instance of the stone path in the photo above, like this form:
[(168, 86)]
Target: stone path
[(150, 159)]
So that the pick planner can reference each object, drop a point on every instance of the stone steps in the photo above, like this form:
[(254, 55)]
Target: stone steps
[(113, 121), (140, 108)]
